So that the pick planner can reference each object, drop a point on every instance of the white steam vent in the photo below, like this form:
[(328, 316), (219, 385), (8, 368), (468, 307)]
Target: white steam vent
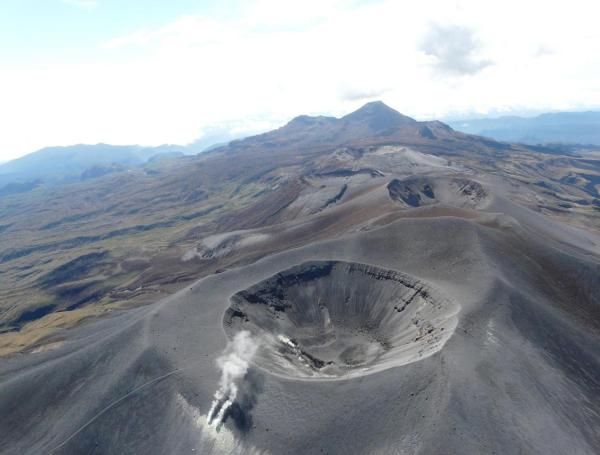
[(233, 364)]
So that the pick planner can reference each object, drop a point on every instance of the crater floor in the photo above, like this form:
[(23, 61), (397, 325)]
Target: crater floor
[(333, 319)]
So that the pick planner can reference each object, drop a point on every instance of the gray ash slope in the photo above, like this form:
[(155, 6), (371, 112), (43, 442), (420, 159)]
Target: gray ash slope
[(353, 288)]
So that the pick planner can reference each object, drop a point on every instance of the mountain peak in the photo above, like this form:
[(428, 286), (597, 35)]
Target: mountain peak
[(378, 104), (378, 115), (307, 120)]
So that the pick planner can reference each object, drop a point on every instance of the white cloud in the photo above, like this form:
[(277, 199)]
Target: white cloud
[(268, 63), (454, 49)]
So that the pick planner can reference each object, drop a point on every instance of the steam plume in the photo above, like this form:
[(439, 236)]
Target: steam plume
[(233, 364)]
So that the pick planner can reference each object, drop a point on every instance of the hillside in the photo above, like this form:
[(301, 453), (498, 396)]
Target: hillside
[(125, 235), (331, 286)]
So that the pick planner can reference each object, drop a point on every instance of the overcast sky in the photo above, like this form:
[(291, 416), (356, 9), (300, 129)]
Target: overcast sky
[(155, 71)]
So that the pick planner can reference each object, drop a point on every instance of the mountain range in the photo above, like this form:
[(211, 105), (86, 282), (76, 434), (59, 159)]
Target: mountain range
[(362, 284), (249, 183), (581, 128), (556, 132)]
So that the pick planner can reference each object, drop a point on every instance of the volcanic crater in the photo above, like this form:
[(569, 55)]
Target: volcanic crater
[(419, 191), (335, 319)]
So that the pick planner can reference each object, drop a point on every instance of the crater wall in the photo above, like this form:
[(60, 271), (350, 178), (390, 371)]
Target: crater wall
[(334, 319)]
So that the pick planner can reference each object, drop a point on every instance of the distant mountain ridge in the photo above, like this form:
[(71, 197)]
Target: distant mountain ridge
[(550, 128), (74, 157), (375, 121), (66, 164), (58, 164), (52, 165)]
